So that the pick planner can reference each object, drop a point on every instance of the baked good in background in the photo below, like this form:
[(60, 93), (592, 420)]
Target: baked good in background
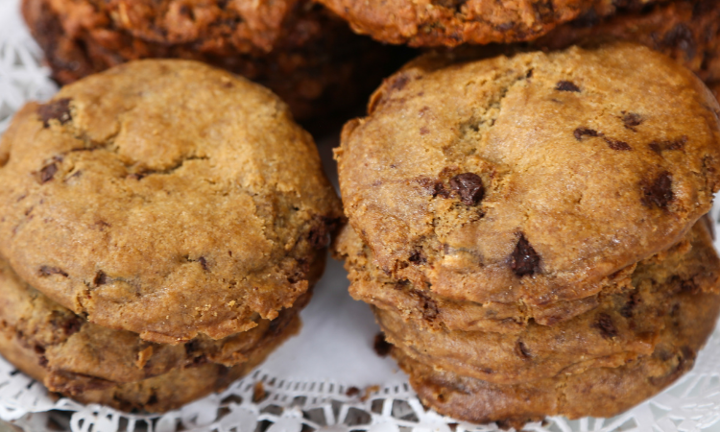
[(174, 214), (298, 49), (523, 227), (434, 23)]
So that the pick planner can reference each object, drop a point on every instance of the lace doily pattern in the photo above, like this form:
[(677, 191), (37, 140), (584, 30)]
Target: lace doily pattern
[(263, 403)]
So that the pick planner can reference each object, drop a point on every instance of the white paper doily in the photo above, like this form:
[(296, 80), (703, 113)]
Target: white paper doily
[(327, 379)]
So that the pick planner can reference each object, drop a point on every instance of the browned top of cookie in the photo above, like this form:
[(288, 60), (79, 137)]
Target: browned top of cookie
[(453, 22), (166, 198), (518, 179)]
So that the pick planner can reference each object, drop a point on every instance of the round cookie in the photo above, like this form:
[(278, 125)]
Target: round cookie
[(294, 47), (526, 179), (454, 22), (167, 198), (621, 328)]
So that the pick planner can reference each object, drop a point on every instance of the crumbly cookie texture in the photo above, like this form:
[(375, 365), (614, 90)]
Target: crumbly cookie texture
[(622, 328), (164, 197), (298, 49), (373, 286), (454, 22), (94, 364), (523, 179), (598, 364)]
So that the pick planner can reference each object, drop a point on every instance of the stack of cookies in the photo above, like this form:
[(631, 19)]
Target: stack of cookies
[(161, 226), (529, 231)]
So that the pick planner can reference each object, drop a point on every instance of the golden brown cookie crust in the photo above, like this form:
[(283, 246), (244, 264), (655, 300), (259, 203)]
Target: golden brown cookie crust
[(458, 194), (167, 198), (621, 328), (597, 392), (62, 350)]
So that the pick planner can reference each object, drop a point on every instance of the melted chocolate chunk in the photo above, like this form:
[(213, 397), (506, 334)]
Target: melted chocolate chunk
[(628, 309), (658, 193), (606, 326), (681, 37), (617, 144), (319, 235), (660, 146), (583, 131), (381, 346), (523, 350), (567, 86), (46, 271), (100, 278), (631, 120), (48, 172), (55, 110), (418, 258), (524, 260), (470, 188)]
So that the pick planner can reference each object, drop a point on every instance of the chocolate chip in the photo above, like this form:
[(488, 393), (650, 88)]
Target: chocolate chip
[(203, 262), (381, 346), (42, 361), (659, 192), (606, 326), (352, 391), (470, 188), (100, 278), (681, 37), (418, 258), (152, 400), (659, 146), (55, 110), (567, 86), (629, 307), (583, 131), (524, 260), (319, 235), (46, 271), (617, 144), (529, 74), (631, 120), (48, 172), (399, 82), (523, 350)]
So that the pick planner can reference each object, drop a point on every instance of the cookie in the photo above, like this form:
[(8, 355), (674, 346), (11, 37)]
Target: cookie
[(686, 30), (93, 364), (530, 178), (597, 392), (296, 48), (166, 198), (622, 328), (451, 23)]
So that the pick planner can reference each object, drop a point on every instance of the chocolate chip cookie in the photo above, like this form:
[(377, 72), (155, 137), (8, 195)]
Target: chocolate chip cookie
[(531, 178), (166, 198), (61, 349), (298, 49)]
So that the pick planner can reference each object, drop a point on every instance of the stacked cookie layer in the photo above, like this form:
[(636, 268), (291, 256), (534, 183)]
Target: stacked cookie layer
[(162, 224), (526, 228), (296, 48)]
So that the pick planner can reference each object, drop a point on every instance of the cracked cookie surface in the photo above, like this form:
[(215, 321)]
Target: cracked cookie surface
[(590, 160), (164, 197)]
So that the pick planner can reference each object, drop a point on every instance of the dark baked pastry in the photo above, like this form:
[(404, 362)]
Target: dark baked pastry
[(94, 364), (451, 22), (166, 198), (686, 30), (296, 48)]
